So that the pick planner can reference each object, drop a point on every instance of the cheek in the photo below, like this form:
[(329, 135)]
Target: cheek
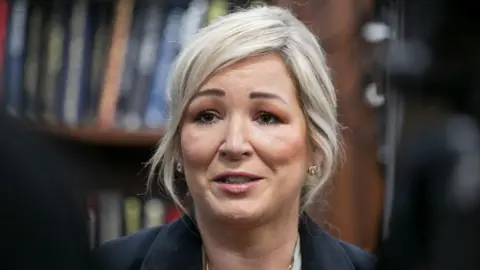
[(197, 153), (282, 147), (195, 157)]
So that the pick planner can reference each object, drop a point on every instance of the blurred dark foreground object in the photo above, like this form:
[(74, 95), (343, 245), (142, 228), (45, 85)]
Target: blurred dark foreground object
[(433, 65), (435, 222), (42, 219)]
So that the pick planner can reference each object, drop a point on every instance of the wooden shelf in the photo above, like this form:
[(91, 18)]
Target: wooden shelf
[(110, 137)]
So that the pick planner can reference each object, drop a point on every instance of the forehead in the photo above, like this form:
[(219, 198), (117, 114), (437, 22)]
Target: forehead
[(257, 73)]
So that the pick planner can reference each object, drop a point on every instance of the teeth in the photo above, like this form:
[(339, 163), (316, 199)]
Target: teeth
[(237, 179)]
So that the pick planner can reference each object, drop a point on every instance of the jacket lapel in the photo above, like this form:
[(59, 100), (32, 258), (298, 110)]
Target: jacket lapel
[(179, 247)]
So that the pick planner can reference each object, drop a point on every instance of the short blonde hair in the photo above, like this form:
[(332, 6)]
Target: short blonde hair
[(239, 35)]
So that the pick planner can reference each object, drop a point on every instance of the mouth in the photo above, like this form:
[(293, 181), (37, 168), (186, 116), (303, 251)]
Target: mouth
[(236, 178)]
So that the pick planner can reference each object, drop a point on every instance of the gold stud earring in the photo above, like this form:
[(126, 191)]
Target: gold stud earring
[(312, 170), (179, 167)]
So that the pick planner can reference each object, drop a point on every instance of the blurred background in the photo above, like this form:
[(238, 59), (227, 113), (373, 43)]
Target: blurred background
[(90, 76)]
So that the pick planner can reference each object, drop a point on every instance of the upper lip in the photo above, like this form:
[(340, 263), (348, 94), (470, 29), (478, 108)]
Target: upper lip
[(236, 174)]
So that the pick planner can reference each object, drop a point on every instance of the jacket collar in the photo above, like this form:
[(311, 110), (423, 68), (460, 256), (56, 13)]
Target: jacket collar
[(178, 247)]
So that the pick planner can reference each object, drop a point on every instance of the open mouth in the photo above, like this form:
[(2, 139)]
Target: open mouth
[(236, 180)]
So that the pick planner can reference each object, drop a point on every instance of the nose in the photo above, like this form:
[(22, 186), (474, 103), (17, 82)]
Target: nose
[(236, 144)]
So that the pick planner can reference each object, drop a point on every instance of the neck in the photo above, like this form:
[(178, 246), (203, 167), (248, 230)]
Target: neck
[(265, 246)]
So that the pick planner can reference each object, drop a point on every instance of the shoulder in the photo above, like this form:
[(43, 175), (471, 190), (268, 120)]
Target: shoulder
[(346, 254), (361, 259), (127, 251), (320, 250), (176, 245)]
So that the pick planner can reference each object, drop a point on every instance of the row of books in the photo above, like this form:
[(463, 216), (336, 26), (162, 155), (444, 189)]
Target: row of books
[(96, 62), (112, 215)]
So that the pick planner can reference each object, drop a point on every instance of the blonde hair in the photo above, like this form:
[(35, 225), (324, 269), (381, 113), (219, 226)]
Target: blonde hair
[(239, 35)]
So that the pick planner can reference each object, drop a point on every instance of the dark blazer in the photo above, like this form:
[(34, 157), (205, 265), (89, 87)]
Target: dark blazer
[(177, 246)]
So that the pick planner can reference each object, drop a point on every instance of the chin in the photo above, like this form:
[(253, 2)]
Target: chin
[(240, 213)]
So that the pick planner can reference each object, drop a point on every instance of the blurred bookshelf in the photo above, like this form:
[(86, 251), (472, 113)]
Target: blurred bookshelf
[(92, 75)]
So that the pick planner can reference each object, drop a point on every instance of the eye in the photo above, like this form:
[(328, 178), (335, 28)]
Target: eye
[(206, 117), (266, 118)]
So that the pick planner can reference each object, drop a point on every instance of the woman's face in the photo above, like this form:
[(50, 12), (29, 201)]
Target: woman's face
[(244, 143)]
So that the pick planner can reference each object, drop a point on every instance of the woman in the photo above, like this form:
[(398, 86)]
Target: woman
[(253, 132)]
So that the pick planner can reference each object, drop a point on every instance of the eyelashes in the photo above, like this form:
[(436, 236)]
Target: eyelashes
[(210, 117), (266, 118), (207, 117)]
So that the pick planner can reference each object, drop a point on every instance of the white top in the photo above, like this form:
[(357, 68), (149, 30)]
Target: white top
[(297, 256)]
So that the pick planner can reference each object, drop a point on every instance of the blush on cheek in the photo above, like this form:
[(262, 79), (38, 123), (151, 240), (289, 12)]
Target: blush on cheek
[(280, 146), (198, 149)]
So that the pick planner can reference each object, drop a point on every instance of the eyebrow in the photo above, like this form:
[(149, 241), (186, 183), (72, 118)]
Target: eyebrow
[(265, 95), (209, 92), (253, 95)]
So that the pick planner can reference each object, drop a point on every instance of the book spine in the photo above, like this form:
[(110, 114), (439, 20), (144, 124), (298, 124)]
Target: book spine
[(154, 213), (36, 19), (102, 13), (110, 206), (127, 89), (217, 8), (57, 38), (17, 24), (193, 19), (77, 60), (169, 49), (115, 63), (132, 215), (145, 69)]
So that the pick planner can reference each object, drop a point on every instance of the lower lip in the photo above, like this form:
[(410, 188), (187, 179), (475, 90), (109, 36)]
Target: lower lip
[(237, 188)]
